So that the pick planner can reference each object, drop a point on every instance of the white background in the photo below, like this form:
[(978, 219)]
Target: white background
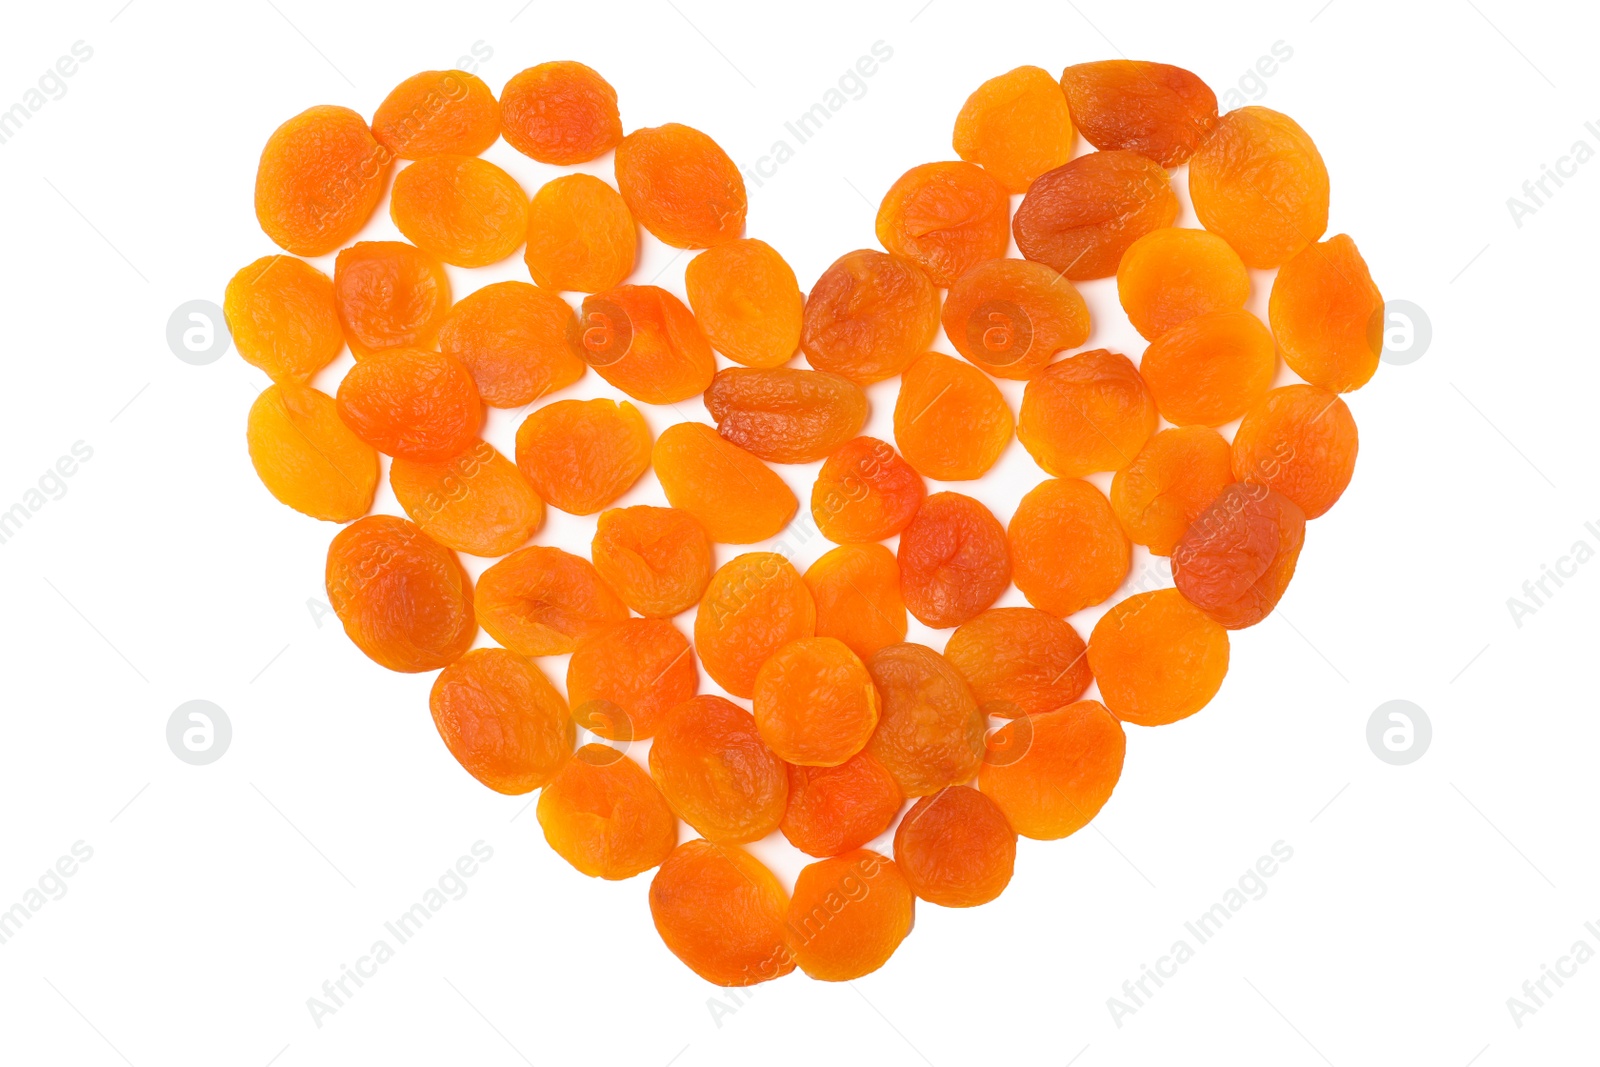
[(219, 898)]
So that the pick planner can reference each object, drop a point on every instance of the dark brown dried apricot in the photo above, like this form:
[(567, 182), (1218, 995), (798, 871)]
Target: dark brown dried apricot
[(945, 217), (953, 560), (868, 316), (1081, 217), (786, 415)]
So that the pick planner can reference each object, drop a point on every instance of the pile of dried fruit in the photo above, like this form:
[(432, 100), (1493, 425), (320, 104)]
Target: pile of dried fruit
[(846, 720)]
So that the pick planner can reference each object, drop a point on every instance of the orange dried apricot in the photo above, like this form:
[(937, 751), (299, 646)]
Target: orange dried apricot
[(848, 915), (717, 773), (937, 395), (1236, 559), (560, 112), (1328, 315), (1087, 413), (865, 492), (1301, 441), (657, 559), (307, 457), (953, 560), (389, 295), (1260, 183), (581, 236), (786, 415), (412, 404), (623, 680), (722, 913), (945, 217), (868, 316), (476, 502), (1157, 658), (955, 848), (747, 300), (583, 454), (519, 342), (1019, 661), (1211, 369), (463, 209), (1010, 316), (836, 809), (642, 340), (857, 592), (1015, 126), (1067, 551), (604, 815), (539, 601), (1172, 480), (681, 186), (1170, 275), (1155, 109), (930, 729), (281, 315), (1066, 765), (438, 113), (756, 603), (1081, 217), (814, 703), (736, 497), (403, 598), (320, 178), (502, 720)]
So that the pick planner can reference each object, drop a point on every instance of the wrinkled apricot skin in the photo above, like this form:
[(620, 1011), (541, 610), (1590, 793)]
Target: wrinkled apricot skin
[(1260, 183), (1067, 551), (560, 112), (945, 218), (412, 404), (583, 454), (320, 178), (722, 913), (476, 502), (1015, 126), (602, 814), (836, 809), (1010, 316), (540, 601), (868, 316), (1081, 217), (307, 457), (930, 729), (462, 209), (1170, 275), (1301, 441), (281, 316), (747, 300), (1155, 109), (1020, 661), (1211, 369), (1157, 658), (519, 342), (1169, 484), (389, 295), (814, 703), (1328, 315), (1060, 769), (756, 603), (1237, 558), (403, 598), (865, 492), (642, 340), (623, 680), (937, 394), (785, 415), (437, 113), (717, 773), (848, 915), (581, 236), (681, 186), (857, 592), (502, 720), (657, 559), (955, 848), (736, 497), (1087, 413), (953, 560)]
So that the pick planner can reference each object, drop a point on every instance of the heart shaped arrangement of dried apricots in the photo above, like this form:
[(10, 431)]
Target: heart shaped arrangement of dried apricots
[(846, 719)]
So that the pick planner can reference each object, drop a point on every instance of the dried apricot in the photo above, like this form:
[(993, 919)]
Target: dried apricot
[(580, 235), (1066, 765), (281, 315), (1157, 658), (604, 815), (519, 342), (307, 457), (930, 729), (1301, 441), (756, 603), (1155, 109), (786, 415), (539, 601), (1172, 480), (955, 848), (747, 300), (848, 915), (1067, 551), (953, 560), (1081, 217), (1010, 316), (868, 316), (865, 492), (389, 295), (438, 113), (412, 404), (502, 720), (476, 502), (836, 809), (814, 703), (1170, 275), (560, 112), (857, 592), (403, 598), (1015, 126), (1260, 183), (320, 178), (657, 559), (1019, 661), (736, 497), (938, 393), (1211, 369), (583, 454), (642, 340), (463, 209), (945, 217), (681, 186), (1328, 315), (1087, 413), (1236, 559), (717, 773), (623, 680), (722, 913)]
